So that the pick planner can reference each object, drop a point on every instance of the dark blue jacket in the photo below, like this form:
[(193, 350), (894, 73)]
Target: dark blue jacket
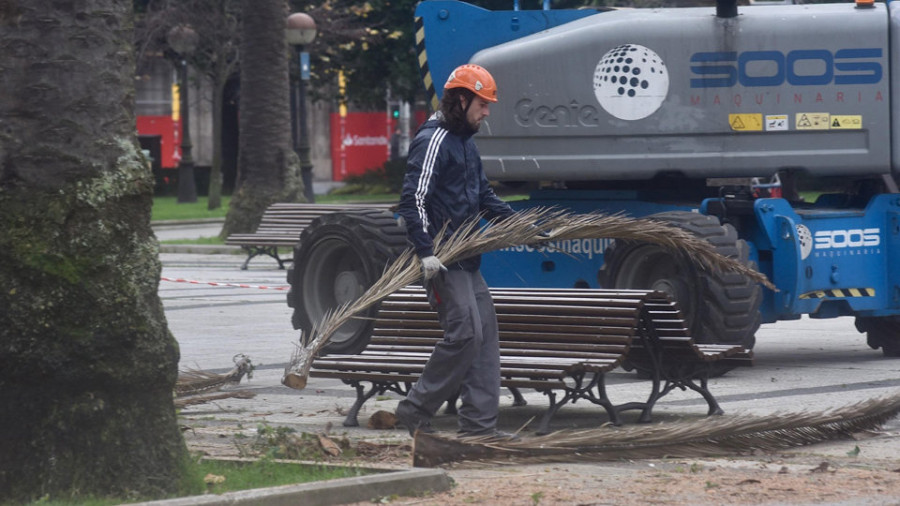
[(445, 183)]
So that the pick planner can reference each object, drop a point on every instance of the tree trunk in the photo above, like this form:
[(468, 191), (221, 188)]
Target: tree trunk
[(214, 195), (269, 170), (87, 364)]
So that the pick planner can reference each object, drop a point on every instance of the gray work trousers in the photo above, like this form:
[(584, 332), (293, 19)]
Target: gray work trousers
[(467, 360)]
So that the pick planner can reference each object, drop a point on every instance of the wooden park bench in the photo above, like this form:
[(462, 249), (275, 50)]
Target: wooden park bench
[(670, 358), (555, 341), (281, 225)]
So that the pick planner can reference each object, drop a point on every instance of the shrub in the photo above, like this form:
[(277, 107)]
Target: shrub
[(385, 179)]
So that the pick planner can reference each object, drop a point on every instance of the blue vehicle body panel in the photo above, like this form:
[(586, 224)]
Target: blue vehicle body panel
[(829, 262), (484, 29), (566, 264)]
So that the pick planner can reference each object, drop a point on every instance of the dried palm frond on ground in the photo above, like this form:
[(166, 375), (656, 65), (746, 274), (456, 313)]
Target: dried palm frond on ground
[(709, 437), (195, 387), (534, 227)]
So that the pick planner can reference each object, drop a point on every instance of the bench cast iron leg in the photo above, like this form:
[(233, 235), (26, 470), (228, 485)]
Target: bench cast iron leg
[(361, 397), (251, 252), (544, 427), (714, 408), (577, 390), (518, 400), (277, 258), (655, 394), (603, 400), (254, 251), (646, 407)]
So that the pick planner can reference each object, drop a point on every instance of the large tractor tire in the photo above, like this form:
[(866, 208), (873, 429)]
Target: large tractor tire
[(881, 332), (340, 255), (719, 307)]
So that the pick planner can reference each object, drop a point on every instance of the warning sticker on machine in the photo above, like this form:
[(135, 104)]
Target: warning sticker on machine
[(812, 121), (846, 122), (746, 122), (775, 122)]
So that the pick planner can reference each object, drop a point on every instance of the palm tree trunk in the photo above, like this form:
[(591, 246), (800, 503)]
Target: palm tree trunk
[(87, 363), (269, 170), (214, 195)]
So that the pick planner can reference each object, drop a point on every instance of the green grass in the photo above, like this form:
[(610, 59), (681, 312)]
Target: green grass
[(810, 196), (168, 208), (264, 473), (237, 476), (391, 198), (214, 241)]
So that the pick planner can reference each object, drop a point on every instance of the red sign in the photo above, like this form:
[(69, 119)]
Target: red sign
[(361, 141), (168, 130)]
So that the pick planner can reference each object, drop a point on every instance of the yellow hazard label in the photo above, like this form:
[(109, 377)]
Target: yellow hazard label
[(812, 121), (846, 122), (746, 122)]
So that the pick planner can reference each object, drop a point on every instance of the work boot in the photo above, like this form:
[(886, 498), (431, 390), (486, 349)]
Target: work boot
[(489, 436), (411, 417)]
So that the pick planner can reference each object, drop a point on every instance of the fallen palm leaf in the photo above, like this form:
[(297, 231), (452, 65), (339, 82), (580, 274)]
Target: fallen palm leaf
[(329, 446), (524, 227), (709, 437), (194, 382)]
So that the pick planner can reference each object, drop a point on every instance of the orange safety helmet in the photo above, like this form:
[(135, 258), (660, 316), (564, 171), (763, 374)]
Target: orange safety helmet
[(475, 79)]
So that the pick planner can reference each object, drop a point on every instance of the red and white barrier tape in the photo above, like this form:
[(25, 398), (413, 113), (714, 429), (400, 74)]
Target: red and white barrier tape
[(213, 283)]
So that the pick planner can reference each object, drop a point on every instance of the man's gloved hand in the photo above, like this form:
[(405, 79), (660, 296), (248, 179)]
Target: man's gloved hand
[(431, 266)]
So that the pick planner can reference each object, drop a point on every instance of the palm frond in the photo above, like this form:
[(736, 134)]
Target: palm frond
[(193, 382), (524, 227), (560, 226), (709, 437)]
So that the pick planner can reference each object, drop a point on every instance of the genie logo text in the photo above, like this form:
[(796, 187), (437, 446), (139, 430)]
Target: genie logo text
[(801, 67)]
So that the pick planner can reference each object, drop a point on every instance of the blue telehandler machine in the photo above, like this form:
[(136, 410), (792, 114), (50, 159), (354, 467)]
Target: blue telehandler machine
[(766, 130)]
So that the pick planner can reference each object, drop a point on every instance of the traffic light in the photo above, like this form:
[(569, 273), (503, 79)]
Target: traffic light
[(395, 111)]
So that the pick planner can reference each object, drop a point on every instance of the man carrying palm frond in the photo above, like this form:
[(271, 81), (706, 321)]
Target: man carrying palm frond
[(445, 187)]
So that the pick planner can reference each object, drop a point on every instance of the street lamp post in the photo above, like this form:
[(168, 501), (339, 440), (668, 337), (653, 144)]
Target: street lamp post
[(300, 30), (183, 40)]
